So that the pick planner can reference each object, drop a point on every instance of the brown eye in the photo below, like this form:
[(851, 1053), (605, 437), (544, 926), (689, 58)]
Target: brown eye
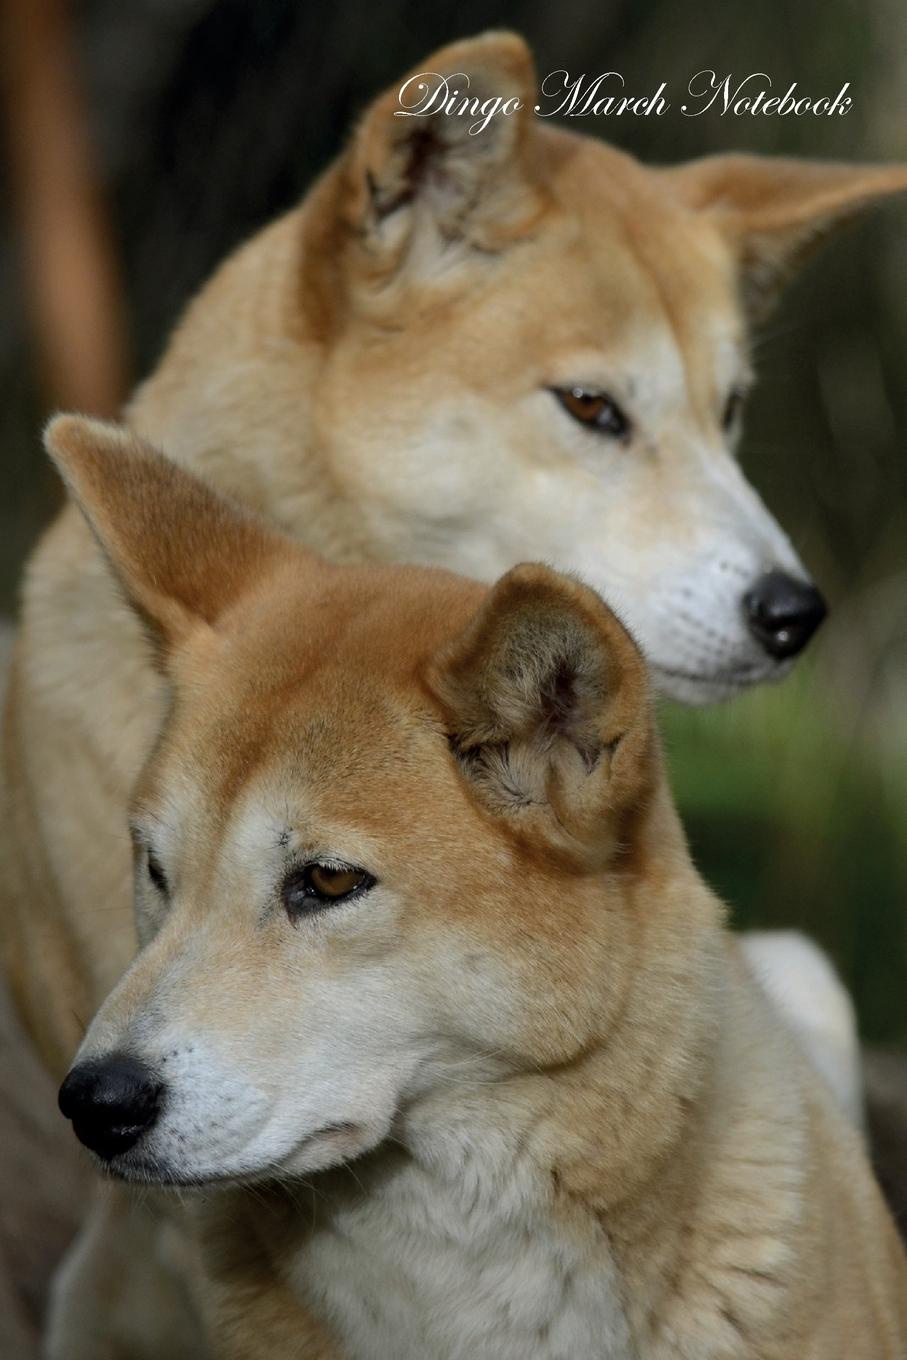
[(733, 409), (595, 409), (316, 886)]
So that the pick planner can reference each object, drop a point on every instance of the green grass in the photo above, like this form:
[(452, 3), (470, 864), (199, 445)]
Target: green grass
[(798, 821)]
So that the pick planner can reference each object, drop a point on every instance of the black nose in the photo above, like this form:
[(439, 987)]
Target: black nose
[(111, 1102), (783, 613)]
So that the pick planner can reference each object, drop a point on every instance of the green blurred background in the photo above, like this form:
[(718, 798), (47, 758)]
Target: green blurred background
[(208, 118)]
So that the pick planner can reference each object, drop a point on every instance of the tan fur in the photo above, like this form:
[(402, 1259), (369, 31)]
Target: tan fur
[(372, 371), (560, 1028)]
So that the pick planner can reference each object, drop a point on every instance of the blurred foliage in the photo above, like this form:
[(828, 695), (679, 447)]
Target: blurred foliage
[(795, 822), (212, 117)]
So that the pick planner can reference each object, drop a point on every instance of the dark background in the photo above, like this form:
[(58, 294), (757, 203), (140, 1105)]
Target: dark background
[(207, 119)]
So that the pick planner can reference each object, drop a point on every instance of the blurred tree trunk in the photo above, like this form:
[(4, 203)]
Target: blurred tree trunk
[(72, 285)]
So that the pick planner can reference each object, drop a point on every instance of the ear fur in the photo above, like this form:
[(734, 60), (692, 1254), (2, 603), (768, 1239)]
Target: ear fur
[(182, 553), (776, 211), (547, 703), (408, 172)]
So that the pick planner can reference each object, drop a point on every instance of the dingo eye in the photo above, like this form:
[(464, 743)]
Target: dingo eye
[(156, 873), (316, 886), (595, 409), (733, 408)]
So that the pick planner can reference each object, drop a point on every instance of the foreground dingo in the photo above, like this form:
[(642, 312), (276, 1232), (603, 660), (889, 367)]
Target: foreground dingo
[(461, 350), (412, 891)]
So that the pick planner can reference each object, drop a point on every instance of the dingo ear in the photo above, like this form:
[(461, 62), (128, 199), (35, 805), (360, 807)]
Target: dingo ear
[(547, 703), (414, 166), (182, 553), (776, 211)]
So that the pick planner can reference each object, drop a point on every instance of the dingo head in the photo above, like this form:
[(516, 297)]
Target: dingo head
[(395, 821), (533, 347)]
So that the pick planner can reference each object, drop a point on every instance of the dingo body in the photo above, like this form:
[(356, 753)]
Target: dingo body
[(412, 893)]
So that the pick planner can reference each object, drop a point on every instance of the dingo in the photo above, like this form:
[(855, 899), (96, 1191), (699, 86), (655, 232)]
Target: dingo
[(411, 889)]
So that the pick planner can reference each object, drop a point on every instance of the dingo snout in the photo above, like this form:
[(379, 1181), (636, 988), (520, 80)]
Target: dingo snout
[(111, 1102)]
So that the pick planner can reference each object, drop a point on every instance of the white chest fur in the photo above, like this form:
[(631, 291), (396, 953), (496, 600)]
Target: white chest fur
[(431, 1268)]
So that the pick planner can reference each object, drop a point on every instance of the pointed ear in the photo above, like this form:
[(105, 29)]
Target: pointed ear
[(775, 212), (182, 553), (457, 177), (547, 703)]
